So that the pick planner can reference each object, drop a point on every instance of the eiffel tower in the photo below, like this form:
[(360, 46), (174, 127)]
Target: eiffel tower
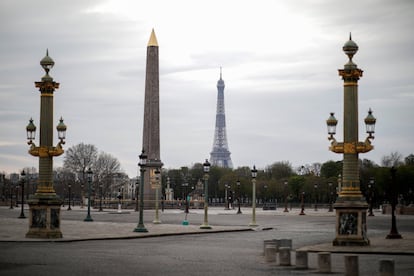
[(220, 155)]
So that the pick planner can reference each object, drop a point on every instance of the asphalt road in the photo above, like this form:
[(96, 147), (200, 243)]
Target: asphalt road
[(237, 253)]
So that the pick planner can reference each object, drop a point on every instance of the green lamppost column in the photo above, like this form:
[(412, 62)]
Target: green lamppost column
[(44, 218), (206, 167), (142, 163), (254, 175), (351, 206), (157, 188), (23, 175), (89, 174)]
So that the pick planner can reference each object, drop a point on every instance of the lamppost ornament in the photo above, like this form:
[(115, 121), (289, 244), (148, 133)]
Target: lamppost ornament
[(350, 205)]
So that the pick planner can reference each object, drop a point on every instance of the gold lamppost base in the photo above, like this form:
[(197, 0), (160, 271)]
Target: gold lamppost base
[(351, 223), (44, 217)]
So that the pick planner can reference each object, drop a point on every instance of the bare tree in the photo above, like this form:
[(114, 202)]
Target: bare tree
[(392, 160), (80, 157), (105, 167)]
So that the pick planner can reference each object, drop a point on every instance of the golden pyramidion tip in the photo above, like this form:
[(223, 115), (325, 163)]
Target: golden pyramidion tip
[(153, 39)]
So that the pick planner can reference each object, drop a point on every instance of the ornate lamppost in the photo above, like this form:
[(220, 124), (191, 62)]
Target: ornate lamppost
[(254, 175), (70, 194), (142, 164), (23, 175), (330, 197), (206, 168), (100, 197), (89, 174), (238, 196), (350, 205), (370, 191), (157, 199), (286, 197), (226, 196), (393, 194), (136, 195), (302, 204), (44, 217)]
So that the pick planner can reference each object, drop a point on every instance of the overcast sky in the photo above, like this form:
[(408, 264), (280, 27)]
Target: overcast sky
[(280, 64)]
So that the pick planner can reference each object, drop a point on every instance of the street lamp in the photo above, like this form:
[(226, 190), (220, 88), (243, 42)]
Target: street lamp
[(238, 196), (11, 194), (302, 211), (393, 194), (23, 175), (226, 196), (286, 197), (370, 191), (186, 207), (350, 205), (136, 194), (70, 193), (254, 175), (206, 168), (142, 164), (316, 196), (45, 204), (88, 216), (100, 197), (157, 188), (330, 197)]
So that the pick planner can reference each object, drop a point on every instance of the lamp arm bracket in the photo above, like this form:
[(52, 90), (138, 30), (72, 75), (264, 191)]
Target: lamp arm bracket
[(45, 151), (336, 146)]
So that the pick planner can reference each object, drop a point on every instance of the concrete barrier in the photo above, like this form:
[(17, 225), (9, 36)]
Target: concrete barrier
[(284, 256), (351, 265), (270, 253), (324, 262), (302, 259), (273, 242), (386, 267), (285, 243)]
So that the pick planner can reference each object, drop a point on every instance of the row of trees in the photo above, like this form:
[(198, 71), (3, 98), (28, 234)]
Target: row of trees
[(275, 182), (319, 182)]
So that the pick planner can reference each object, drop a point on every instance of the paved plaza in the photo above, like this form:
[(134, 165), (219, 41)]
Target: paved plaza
[(231, 246)]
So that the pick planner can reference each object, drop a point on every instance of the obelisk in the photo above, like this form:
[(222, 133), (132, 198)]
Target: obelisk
[(151, 130)]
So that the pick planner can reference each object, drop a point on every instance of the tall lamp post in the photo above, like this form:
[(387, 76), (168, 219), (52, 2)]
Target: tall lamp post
[(226, 196), (23, 175), (238, 196), (254, 175), (70, 194), (142, 163), (393, 193), (44, 217), (302, 199), (157, 188), (316, 196), (100, 197), (206, 168), (286, 197), (330, 197), (11, 195), (371, 191), (88, 216), (350, 205), (136, 194)]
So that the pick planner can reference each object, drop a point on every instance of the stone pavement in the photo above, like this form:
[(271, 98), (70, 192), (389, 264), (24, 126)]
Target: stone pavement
[(14, 230)]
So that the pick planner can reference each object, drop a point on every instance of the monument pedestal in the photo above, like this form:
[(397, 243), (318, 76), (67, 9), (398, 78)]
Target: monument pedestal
[(44, 218), (351, 223)]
